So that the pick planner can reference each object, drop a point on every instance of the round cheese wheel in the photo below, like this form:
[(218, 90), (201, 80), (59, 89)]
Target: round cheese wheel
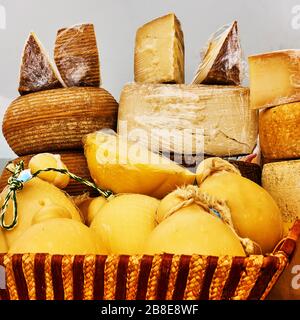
[(279, 131)]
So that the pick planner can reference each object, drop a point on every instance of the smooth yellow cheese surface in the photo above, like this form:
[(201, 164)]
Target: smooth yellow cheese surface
[(125, 222), (189, 119), (282, 181), (191, 230), (35, 196), (255, 214), (279, 131), (58, 236), (159, 51), (125, 167), (274, 78), (3, 245)]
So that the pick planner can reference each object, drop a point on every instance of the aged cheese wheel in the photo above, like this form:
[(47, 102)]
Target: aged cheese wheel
[(274, 78), (192, 119), (55, 120), (159, 51), (222, 59), (75, 162), (76, 56), (279, 131), (282, 181)]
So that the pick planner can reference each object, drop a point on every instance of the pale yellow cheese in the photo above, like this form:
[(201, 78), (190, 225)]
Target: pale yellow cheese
[(222, 59), (215, 120), (3, 245), (159, 51), (282, 181), (279, 131), (274, 78)]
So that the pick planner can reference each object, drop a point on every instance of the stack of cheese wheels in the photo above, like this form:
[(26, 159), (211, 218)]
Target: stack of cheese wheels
[(185, 122), (58, 107), (275, 88)]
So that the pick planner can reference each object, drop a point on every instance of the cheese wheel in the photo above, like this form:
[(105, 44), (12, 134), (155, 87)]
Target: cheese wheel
[(57, 119), (274, 78), (189, 119), (74, 161), (159, 51), (279, 131), (282, 181)]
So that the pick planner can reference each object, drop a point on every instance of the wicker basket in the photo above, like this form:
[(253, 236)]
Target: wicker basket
[(44, 276)]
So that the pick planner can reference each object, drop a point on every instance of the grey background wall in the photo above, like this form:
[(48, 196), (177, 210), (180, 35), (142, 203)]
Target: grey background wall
[(265, 25)]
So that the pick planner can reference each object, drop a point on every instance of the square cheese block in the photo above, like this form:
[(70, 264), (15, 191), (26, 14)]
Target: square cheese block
[(279, 132), (178, 118), (274, 78), (159, 51)]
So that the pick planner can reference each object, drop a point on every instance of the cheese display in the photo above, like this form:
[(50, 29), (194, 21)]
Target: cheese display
[(222, 58), (93, 209), (76, 56), (255, 214), (75, 161), (282, 181), (190, 119), (121, 166), (159, 51), (57, 119), (125, 222), (48, 160), (35, 196), (37, 72), (279, 131), (58, 236), (274, 78)]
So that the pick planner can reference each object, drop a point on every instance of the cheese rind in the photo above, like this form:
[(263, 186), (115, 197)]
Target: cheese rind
[(76, 56), (274, 78), (279, 131), (282, 181), (159, 51), (36, 72), (183, 111), (222, 59)]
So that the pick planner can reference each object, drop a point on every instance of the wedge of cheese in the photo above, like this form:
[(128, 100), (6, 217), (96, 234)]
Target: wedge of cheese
[(76, 56), (222, 59), (159, 51), (282, 181), (279, 131), (36, 72), (274, 78), (189, 119)]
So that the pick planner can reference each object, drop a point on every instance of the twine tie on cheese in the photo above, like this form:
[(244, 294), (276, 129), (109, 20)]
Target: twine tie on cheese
[(20, 177)]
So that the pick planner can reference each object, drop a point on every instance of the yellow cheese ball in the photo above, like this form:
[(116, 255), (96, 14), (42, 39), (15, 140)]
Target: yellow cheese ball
[(95, 206), (58, 236), (3, 245), (49, 160), (255, 214), (124, 167), (36, 194), (191, 230), (125, 222)]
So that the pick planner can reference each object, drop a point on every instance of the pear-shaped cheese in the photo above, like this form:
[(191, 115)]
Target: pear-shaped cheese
[(35, 196), (37, 72), (57, 236), (222, 60), (124, 167)]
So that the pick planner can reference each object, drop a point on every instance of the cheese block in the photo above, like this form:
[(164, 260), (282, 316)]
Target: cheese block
[(189, 119), (37, 72), (76, 56), (75, 162), (159, 51), (55, 120), (274, 78), (282, 181), (279, 131), (222, 58)]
